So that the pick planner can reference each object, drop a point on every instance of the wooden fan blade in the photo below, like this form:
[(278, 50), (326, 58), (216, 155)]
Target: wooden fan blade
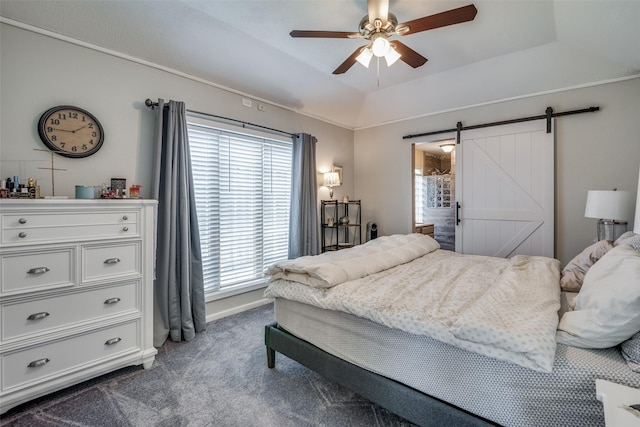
[(378, 9), (322, 34), (409, 55), (344, 67), (450, 17)]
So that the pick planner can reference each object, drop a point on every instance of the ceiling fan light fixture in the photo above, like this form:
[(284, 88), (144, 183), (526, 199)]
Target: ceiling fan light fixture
[(365, 57), (380, 46), (392, 56)]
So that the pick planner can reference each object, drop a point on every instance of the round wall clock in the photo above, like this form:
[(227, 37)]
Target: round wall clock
[(70, 131)]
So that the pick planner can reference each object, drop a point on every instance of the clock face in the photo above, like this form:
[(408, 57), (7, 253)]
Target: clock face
[(71, 131)]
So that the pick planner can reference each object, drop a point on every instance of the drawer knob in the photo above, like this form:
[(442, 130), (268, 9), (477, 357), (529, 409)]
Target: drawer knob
[(38, 270), (125, 228), (113, 341), (22, 220), (37, 316), (112, 260), (124, 217), (39, 362), (22, 234), (113, 300)]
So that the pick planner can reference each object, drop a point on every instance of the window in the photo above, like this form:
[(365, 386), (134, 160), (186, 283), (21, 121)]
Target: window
[(242, 187)]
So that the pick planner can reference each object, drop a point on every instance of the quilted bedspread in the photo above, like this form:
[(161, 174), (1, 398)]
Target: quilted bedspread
[(501, 308)]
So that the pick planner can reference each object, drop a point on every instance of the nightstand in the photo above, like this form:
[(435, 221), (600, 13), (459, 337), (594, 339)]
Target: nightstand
[(613, 396)]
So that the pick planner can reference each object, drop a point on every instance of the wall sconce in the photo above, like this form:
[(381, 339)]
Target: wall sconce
[(613, 209), (447, 148), (331, 179)]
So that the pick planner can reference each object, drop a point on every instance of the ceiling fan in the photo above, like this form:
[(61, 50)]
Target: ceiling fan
[(380, 25)]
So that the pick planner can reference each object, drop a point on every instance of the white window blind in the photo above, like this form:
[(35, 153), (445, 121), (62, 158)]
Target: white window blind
[(242, 186)]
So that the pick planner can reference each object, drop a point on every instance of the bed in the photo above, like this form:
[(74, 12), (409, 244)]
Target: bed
[(442, 338)]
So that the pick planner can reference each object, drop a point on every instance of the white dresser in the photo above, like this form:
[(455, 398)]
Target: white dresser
[(76, 292)]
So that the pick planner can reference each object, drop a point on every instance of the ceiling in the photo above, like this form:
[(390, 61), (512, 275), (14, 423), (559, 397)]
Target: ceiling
[(513, 48)]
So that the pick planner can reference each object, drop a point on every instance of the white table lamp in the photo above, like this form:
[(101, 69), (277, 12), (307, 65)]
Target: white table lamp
[(612, 209)]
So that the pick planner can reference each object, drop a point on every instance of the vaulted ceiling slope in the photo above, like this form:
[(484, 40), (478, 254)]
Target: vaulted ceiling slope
[(513, 48)]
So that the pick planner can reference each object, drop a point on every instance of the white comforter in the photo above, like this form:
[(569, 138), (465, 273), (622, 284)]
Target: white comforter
[(501, 308), (331, 268)]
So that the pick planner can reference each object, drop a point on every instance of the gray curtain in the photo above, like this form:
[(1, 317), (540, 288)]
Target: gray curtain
[(303, 219), (179, 307)]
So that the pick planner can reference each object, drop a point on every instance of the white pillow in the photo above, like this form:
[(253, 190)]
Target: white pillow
[(573, 273), (607, 308), (623, 238)]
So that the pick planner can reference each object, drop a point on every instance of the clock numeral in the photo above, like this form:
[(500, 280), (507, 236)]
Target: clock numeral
[(49, 129), (94, 134), (62, 116), (54, 138), (73, 115), (55, 121), (62, 144), (91, 142), (83, 119), (74, 148), (84, 147), (90, 125)]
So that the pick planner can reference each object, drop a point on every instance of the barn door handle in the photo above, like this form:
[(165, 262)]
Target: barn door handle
[(458, 213)]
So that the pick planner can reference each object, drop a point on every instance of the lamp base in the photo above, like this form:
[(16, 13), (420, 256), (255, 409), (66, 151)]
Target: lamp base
[(611, 229)]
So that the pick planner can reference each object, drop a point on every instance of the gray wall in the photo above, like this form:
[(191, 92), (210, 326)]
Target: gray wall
[(38, 72), (594, 151)]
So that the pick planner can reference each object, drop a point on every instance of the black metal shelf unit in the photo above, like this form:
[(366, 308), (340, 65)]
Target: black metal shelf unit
[(340, 224)]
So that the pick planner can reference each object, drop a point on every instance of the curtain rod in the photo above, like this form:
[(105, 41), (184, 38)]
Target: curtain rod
[(149, 103), (548, 115)]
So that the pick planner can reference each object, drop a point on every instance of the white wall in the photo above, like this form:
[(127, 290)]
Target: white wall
[(38, 72), (594, 151)]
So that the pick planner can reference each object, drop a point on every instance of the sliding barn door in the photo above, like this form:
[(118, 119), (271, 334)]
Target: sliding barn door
[(505, 190)]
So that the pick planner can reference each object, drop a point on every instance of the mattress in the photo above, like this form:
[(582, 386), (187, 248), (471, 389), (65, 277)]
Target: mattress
[(499, 391)]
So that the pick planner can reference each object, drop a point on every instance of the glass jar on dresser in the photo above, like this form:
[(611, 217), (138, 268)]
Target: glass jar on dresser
[(76, 292)]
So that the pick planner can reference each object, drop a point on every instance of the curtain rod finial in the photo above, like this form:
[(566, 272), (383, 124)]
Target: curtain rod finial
[(148, 102)]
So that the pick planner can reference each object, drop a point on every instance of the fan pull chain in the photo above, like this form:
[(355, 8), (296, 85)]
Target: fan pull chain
[(378, 69)]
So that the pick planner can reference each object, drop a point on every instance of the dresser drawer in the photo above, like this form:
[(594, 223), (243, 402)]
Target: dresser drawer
[(66, 226), (111, 261), (39, 363), (37, 270), (37, 316)]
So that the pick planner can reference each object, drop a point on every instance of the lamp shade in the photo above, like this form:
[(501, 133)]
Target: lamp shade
[(614, 205), (365, 57), (331, 179), (392, 56), (636, 223), (380, 46)]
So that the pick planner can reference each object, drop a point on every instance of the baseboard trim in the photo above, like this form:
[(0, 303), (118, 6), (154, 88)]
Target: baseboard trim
[(238, 309)]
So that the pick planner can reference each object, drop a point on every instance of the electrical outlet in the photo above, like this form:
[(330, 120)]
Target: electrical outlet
[(247, 102), (261, 107)]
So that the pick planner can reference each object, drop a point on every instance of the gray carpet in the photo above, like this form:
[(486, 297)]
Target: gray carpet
[(218, 379)]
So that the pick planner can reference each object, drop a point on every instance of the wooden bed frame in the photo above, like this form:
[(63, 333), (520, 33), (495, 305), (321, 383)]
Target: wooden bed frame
[(411, 404)]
